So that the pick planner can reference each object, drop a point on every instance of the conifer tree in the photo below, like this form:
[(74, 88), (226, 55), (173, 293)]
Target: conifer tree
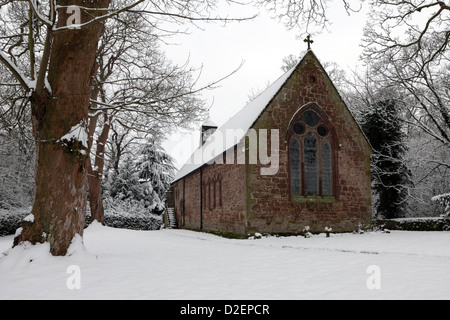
[(155, 170), (125, 183), (390, 176), (145, 178)]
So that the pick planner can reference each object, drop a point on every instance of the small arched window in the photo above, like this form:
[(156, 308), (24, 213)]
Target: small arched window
[(311, 167)]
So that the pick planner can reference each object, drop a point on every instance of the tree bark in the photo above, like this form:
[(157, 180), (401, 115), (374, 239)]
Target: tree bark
[(95, 175), (96, 200), (59, 206)]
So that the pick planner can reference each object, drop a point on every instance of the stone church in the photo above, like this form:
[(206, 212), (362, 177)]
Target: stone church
[(320, 176)]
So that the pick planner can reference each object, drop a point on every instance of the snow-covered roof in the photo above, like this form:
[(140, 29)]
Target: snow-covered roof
[(242, 121)]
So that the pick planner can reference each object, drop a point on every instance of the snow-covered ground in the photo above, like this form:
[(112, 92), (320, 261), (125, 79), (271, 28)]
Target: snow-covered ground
[(180, 264)]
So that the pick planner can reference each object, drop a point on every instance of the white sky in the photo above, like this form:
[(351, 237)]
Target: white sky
[(262, 44)]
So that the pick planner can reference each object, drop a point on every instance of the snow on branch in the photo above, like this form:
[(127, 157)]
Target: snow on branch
[(82, 8), (184, 17), (77, 133), (98, 19), (131, 8), (42, 18), (17, 73), (133, 101)]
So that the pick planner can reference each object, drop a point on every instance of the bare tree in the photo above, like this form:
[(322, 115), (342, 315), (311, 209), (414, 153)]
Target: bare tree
[(50, 49), (420, 91), (291, 61), (136, 88), (423, 86), (307, 16), (421, 27), (391, 26), (54, 63)]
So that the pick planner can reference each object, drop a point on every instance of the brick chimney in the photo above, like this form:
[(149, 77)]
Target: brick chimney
[(208, 128)]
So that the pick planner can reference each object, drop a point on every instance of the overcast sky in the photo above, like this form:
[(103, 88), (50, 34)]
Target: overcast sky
[(261, 44)]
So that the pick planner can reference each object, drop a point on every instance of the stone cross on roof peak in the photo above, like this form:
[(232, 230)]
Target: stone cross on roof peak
[(309, 41)]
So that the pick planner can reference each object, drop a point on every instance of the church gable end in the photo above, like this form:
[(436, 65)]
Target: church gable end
[(324, 173)]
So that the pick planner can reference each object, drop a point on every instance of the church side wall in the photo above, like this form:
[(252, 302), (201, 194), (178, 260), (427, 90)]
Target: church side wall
[(187, 201), (225, 209), (223, 196), (271, 208)]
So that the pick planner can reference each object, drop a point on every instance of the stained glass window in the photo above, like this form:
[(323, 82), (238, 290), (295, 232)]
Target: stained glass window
[(295, 168), (299, 128), (311, 165), (311, 118), (311, 155), (327, 187), (322, 131)]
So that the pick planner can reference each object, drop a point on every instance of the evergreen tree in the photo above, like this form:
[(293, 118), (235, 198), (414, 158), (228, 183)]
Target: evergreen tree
[(125, 183), (155, 170), (390, 176), (146, 178)]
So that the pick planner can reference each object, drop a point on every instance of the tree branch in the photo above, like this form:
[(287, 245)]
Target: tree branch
[(23, 80)]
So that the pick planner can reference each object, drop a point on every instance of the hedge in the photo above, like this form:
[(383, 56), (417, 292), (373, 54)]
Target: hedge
[(10, 220), (129, 214), (415, 224), (130, 222)]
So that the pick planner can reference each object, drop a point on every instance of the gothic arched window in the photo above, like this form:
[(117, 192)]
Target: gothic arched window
[(295, 167), (311, 154)]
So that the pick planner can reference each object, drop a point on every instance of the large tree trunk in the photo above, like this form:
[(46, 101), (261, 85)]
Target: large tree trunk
[(60, 196)]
